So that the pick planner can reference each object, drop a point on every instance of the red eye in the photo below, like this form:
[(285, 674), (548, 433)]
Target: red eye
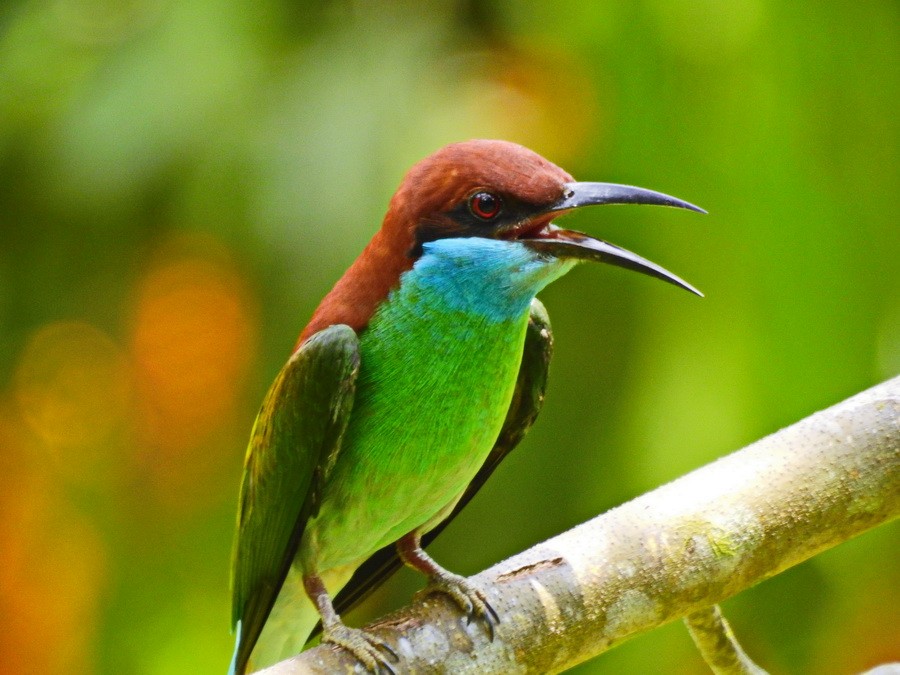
[(485, 205)]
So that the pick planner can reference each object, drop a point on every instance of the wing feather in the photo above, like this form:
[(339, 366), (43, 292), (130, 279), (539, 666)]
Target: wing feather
[(294, 443)]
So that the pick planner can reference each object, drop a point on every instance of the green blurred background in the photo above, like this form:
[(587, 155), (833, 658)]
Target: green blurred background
[(180, 182)]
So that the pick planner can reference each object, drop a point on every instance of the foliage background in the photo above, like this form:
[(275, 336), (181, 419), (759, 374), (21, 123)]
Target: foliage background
[(180, 182)]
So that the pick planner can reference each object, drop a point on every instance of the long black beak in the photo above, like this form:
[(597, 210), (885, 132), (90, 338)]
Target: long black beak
[(590, 194), (561, 243)]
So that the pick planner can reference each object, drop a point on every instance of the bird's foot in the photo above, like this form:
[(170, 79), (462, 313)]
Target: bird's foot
[(372, 652), (470, 599)]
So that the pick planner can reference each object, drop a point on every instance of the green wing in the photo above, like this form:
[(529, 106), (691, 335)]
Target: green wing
[(293, 445), (528, 397)]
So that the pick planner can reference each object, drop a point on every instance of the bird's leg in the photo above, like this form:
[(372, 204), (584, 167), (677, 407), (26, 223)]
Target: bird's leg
[(469, 598), (368, 649)]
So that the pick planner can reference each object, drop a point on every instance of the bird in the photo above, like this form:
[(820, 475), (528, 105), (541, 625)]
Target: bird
[(418, 372)]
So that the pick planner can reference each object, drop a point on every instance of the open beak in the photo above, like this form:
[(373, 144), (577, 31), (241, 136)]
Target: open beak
[(560, 243)]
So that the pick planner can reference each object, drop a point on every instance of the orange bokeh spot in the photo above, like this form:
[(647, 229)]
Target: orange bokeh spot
[(192, 343), (52, 571)]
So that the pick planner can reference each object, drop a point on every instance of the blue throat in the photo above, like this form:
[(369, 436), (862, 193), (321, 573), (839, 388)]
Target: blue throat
[(492, 278)]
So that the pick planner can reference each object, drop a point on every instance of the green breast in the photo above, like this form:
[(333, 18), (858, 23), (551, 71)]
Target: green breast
[(431, 399)]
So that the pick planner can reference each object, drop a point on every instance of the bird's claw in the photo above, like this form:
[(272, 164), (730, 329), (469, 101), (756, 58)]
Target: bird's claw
[(471, 600), (371, 651)]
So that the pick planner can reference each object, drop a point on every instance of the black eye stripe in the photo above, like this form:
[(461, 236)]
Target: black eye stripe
[(462, 220)]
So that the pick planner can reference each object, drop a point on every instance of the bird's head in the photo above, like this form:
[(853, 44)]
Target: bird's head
[(501, 190), (490, 189)]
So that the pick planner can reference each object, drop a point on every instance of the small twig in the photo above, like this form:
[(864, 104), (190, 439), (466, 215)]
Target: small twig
[(717, 644)]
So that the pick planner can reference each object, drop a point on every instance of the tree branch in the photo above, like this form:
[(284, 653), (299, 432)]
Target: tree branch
[(665, 555)]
